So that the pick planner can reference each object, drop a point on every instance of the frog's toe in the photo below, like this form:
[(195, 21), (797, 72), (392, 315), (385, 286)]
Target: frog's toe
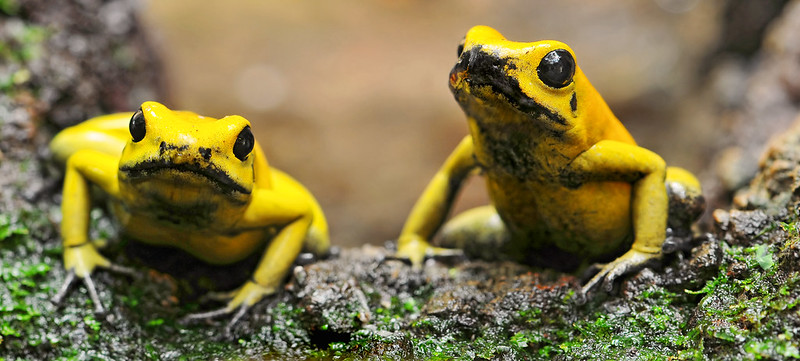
[(446, 253), (199, 316), (417, 260), (589, 286), (239, 300), (236, 317), (128, 271), (220, 296), (98, 306), (80, 263), (62, 292), (608, 273), (416, 253), (87, 280)]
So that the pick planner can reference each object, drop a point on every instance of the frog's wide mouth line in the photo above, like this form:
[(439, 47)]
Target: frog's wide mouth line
[(484, 69), (143, 171)]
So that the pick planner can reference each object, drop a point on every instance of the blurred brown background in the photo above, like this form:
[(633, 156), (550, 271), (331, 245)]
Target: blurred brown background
[(351, 97)]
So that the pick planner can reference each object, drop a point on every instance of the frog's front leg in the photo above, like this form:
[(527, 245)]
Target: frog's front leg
[(294, 215), (80, 255), (433, 206), (610, 160)]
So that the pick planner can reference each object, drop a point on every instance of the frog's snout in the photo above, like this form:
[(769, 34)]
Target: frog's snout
[(461, 71), (456, 77), (184, 154)]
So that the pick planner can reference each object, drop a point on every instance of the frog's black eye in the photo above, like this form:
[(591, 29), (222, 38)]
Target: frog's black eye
[(244, 144), (137, 126), (556, 68)]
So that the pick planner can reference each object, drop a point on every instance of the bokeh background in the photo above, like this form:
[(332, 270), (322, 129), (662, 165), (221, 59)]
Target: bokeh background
[(351, 97)]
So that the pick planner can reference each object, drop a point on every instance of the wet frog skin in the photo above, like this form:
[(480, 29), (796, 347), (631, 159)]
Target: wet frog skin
[(568, 184), (175, 178)]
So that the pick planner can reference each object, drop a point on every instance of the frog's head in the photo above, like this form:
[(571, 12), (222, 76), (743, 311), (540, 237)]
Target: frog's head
[(516, 81), (179, 155)]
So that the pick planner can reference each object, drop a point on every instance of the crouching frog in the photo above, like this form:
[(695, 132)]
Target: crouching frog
[(568, 184), (175, 178)]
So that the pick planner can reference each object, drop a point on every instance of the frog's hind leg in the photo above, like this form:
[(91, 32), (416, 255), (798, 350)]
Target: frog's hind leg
[(317, 240), (475, 231), (686, 205)]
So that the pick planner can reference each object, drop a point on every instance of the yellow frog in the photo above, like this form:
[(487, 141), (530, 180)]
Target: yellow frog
[(567, 182), (179, 179)]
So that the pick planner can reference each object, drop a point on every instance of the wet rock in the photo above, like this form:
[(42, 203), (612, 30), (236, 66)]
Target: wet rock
[(64, 64), (682, 270), (741, 227), (338, 295)]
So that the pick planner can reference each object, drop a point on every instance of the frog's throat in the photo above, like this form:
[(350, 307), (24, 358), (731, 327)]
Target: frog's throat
[(149, 169), (478, 68)]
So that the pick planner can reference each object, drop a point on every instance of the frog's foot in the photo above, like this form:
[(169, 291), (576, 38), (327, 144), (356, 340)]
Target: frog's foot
[(628, 262), (239, 301), (80, 261), (416, 250)]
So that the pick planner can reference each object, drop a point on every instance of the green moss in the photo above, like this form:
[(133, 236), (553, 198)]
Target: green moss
[(748, 310), (9, 7), (750, 307), (650, 325), (9, 229), (16, 51), (137, 326)]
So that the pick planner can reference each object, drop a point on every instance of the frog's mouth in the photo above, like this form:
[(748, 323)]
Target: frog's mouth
[(155, 169), (477, 68)]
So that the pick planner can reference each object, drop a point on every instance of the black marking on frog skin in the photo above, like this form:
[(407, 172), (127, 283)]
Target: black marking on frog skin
[(510, 150), (164, 147), (485, 69), (198, 214), (205, 152), (573, 103), (144, 170)]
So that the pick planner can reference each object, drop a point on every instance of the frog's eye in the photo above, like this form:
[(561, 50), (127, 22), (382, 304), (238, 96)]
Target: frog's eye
[(137, 126), (556, 68), (244, 144)]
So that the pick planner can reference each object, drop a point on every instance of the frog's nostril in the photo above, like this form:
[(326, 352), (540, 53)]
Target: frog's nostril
[(205, 152)]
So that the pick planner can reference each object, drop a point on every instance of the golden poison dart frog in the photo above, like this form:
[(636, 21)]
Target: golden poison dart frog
[(175, 178), (568, 184)]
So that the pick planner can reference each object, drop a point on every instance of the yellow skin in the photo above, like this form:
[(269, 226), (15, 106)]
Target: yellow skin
[(564, 175), (196, 183)]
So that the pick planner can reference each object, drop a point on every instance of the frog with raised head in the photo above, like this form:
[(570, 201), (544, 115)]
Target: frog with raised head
[(175, 178), (568, 184)]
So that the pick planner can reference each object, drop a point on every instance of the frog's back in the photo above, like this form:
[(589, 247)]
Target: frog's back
[(107, 134)]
